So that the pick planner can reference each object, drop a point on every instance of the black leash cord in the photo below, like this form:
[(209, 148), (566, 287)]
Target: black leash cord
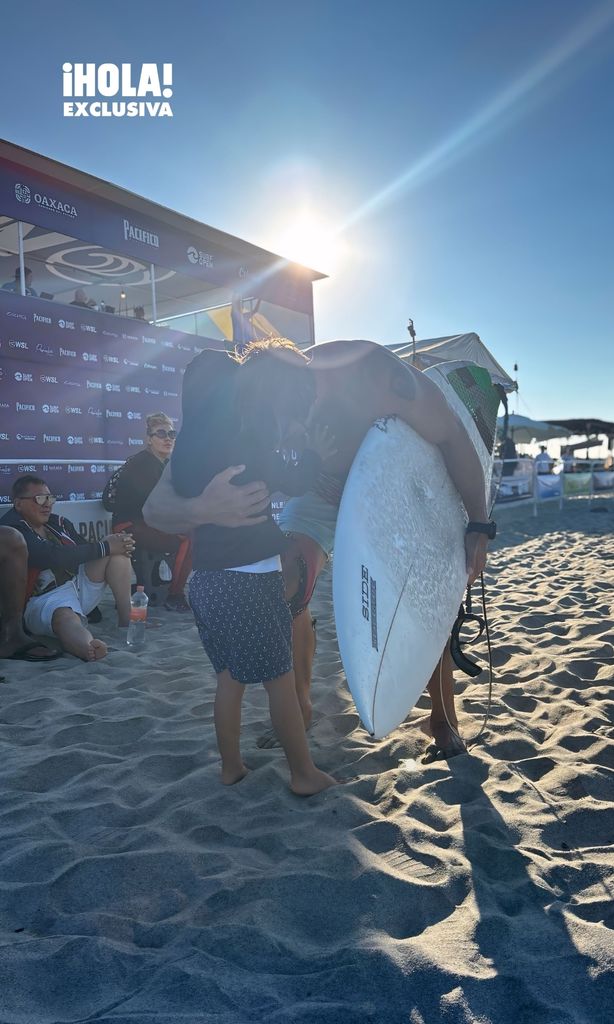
[(489, 704)]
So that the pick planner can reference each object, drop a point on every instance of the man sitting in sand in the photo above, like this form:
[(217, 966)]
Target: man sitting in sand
[(349, 410), (66, 575)]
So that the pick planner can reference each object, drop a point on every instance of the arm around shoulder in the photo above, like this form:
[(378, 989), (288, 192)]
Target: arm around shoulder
[(165, 510)]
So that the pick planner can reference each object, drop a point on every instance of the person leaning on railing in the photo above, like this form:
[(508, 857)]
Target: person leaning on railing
[(135, 481)]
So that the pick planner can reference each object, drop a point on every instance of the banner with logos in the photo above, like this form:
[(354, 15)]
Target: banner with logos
[(39, 199), (76, 387)]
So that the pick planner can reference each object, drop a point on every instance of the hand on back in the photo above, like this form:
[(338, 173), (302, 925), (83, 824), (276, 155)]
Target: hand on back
[(227, 504)]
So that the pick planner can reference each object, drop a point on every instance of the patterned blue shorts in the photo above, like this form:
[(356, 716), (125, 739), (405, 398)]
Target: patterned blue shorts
[(244, 623)]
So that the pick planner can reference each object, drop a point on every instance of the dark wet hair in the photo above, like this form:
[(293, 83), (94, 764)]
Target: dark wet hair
[(274, 375)]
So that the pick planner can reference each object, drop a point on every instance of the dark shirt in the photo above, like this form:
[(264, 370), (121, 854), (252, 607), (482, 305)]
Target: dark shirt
[(138, 477), (214, 435), (72, 551)]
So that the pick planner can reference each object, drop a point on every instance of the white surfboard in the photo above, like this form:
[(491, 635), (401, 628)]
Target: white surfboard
[(399, 560)]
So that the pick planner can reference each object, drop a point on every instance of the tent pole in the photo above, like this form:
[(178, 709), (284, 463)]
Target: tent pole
[(412, 334)]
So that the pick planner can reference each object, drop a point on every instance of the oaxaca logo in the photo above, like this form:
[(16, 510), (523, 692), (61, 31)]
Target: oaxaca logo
[(24, 195), (117, 90)]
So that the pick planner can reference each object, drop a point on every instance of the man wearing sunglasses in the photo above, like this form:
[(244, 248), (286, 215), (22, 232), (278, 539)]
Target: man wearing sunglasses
[(67, 575)]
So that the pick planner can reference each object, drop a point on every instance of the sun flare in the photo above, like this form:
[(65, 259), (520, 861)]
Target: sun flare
[(310, 241)]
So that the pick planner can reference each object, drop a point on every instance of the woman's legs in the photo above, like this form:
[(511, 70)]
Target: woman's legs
[(227, 717), (305, 778), (74, 637), (150, 539)]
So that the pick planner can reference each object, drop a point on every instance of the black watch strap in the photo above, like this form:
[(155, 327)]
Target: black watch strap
[(490, 528)]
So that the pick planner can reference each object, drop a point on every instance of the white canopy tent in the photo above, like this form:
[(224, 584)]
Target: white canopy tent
[(523, 430), (430, 351)]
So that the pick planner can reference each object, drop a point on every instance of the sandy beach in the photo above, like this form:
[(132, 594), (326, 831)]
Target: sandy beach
[(135, 888)]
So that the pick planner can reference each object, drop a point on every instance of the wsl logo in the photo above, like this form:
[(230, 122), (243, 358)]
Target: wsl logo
[(143, 92)]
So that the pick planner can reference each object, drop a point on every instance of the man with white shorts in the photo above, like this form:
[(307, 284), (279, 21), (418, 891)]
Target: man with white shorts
[(67, 576)]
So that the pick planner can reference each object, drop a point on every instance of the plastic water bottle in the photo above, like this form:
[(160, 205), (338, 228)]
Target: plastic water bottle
[(138, 619)]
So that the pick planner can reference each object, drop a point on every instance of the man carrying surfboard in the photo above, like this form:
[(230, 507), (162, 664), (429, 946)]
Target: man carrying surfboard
[(357, 382)]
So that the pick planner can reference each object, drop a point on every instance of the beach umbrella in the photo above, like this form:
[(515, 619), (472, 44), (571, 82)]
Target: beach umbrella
[(523, 430)]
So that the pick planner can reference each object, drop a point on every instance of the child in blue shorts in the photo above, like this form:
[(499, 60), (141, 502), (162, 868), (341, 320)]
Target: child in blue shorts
[(236, 591)]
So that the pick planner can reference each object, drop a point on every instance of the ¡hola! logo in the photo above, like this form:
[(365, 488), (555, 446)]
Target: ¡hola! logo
[(143, 93)]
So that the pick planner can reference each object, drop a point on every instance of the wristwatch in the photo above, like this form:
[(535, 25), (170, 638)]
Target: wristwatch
[(490, 528)]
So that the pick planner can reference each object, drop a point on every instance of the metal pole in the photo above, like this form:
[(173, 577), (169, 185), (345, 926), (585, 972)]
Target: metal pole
[(22, 274), (154, 308), (412, 334)]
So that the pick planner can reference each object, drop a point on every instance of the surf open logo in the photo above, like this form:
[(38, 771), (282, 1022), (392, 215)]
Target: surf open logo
[(117, 90)]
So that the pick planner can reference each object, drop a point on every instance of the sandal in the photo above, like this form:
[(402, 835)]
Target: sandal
[(26, 653)]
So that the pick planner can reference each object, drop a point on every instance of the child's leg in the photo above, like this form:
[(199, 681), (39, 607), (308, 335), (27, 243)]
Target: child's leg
[(305, 778), (227, 717)]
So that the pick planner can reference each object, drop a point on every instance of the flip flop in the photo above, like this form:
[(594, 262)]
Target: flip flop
[(25, 653)]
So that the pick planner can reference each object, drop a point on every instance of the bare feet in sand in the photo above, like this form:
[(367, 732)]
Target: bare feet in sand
[(311, 783), (446, 742), (94, 651)]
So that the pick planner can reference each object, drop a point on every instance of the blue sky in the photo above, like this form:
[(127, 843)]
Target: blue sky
[(454, 159)]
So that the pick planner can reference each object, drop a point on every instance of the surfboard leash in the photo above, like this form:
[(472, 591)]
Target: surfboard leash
[(473, 742), (466, 664)]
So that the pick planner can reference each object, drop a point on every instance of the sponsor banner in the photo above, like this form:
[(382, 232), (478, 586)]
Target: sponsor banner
[(73, 482), (549, 485), (57, 335), (603, 480), (577, 483), (88, 517), (49, 203), (73, 394)]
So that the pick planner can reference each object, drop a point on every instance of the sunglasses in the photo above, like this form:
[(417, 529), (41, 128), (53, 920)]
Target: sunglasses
[(163, 434), (41, 499)]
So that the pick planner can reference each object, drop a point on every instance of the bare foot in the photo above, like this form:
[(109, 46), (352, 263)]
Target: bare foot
[(446, 743), (96, 650), (312, 783), (12, 643), (230, 776)]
